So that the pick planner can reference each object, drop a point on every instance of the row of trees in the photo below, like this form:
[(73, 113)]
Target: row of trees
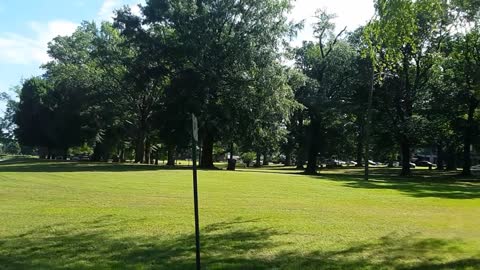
[(409, 78)]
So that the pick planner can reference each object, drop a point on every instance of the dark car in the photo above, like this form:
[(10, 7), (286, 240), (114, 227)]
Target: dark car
[(81, 158)]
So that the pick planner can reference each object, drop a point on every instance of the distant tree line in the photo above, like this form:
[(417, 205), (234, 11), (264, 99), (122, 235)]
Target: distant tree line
[(409, 78)]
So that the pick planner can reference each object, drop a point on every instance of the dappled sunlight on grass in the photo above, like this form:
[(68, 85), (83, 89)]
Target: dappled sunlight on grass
[(237, 244)]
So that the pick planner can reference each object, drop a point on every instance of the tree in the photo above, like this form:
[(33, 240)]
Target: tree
[(410, 34), (85, 102), (33, 118), (147, 73), (328, 64), (466, 61), (316, 60), (222, 44)]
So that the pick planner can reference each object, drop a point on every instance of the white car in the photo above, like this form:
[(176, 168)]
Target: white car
[(352, 163), (476, 170)]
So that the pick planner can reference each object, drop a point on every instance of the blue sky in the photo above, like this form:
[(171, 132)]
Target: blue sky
[(26, 27)]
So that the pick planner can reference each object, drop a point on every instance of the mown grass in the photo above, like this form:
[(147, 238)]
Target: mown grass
[(57, 215)]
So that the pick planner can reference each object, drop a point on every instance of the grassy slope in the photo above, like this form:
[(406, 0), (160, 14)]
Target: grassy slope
[(84, 216)]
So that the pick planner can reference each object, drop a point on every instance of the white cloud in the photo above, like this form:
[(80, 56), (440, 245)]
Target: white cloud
[(349, 13), (32, 49), (106, 12), (135, 9), (19, 49)]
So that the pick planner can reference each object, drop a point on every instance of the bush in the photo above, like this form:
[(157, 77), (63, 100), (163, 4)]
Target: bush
[(248, 158), (85, 149), (12, 148)]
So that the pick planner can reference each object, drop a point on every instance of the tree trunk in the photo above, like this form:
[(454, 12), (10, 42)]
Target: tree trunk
[(148, 152), (121, 156), (206, 161), (97, 153), (140, 147), (258, 160), (265, 159), (367, 124), (300, 158), (42, 152), (313, 147), (467, 143), (359, 152), (171, 155), (405, 150), (440, 158), (300, 162), (231, 161), (451, 159), (390, 163), (288, 158), (404, 108)]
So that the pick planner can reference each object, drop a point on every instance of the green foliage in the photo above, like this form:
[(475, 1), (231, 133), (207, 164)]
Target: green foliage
[(248, 157), (131, 85), (85, 149), (33, 116), (12, 148)]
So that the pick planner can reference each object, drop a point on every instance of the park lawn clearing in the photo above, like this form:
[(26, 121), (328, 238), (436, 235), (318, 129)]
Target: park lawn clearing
[(103, 216)]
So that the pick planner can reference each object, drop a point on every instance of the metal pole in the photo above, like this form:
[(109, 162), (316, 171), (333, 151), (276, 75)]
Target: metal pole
[(195, 190)]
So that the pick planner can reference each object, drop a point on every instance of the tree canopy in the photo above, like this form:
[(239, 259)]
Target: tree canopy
[(407, 81)]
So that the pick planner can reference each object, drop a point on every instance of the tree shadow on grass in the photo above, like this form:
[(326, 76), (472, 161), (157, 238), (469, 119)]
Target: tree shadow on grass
[(423, 184), (238, 244)]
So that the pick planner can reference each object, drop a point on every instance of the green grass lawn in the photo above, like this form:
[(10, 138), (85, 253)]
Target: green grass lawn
[(101, 216)]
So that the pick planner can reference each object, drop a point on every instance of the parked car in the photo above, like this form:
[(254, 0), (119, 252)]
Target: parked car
[(412, 165), (352, 163), (335, 162), (475, 170), (371, 162), (81, 158), (425, 163)]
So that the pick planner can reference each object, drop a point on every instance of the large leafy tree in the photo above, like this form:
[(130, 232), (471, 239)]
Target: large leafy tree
[(409, 34), (328, 63), (84, 88), (147, 74), (465, 62), (268, 112), (223, 44), (33, 118)]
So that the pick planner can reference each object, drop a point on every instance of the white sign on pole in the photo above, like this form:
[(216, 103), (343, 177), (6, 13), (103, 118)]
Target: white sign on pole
[(195, 127)]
